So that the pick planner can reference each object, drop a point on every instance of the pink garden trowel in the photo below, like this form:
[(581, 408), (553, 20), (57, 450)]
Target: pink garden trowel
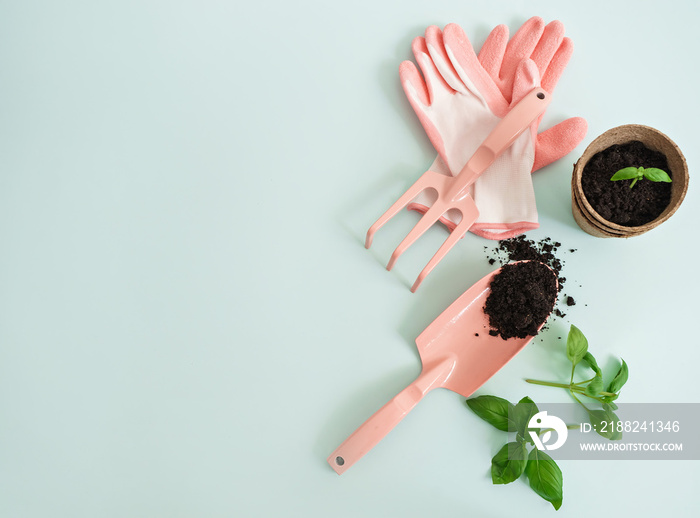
[(457, 353)]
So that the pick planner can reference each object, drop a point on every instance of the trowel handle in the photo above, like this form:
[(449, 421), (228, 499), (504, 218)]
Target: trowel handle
[(368, 435)]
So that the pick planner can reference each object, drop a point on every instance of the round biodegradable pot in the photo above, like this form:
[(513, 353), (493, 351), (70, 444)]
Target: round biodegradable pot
[(591, 221)]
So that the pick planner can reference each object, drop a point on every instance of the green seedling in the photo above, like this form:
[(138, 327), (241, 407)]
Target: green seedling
[(513, 460), (637, 173), (593, 388)]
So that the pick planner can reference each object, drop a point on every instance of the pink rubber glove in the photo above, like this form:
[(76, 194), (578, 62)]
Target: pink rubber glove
[(504, 196), (458, 105), (551, 51)]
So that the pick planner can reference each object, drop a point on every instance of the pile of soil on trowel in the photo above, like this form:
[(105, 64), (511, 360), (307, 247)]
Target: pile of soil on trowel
[(522, 297)]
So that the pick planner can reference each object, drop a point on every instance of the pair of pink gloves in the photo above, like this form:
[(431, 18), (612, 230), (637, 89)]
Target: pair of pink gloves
[(460, 97)]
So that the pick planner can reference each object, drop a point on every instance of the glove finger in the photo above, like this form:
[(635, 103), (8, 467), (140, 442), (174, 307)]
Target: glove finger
[(432, 77), (558, 63), (527, 77), (478, 82), (413, 86), (436, 48), (493, 50), (548, 45), (558, 141), (419, 90), (520, 47)]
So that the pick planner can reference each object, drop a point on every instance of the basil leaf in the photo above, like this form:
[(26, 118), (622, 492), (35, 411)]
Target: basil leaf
[(509, 463), (657, 175), (494, 410), (626, 174), (576, 345), (595, 386), (620, 378), (605, 423), (590, 361), (522, 413), (545, 477), (609, 400)]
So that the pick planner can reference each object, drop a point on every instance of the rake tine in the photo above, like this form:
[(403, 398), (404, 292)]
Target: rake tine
[(428, 219), (404, 200), (451, 240)]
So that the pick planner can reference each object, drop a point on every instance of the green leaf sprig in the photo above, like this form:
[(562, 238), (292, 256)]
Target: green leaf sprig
[(637, 173), (513, 459), (593, 388)]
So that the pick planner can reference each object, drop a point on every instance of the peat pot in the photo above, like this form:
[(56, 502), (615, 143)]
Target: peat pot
[(599, 153)]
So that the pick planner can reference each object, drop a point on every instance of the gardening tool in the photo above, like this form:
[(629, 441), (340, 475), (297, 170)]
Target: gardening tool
[(453, 192), (536, 55), (457, 353)]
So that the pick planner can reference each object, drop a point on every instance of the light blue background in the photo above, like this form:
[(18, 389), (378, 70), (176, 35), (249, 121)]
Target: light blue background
[(189, 323)]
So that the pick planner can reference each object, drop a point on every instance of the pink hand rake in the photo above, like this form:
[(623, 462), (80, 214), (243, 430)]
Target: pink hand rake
[(453, 191)]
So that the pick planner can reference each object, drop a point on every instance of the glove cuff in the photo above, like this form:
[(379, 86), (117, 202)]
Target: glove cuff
[(493, 231)]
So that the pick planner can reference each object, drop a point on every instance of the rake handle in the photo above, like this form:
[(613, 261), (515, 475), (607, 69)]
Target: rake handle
[(517, 120)]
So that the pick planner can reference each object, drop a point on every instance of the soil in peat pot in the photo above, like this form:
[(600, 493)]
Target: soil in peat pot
[(615, 201), (522, 297)]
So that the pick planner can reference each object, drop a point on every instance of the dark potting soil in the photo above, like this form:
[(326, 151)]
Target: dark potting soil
[(546, 251), (522, 249), (615, 201), (522, 297)]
